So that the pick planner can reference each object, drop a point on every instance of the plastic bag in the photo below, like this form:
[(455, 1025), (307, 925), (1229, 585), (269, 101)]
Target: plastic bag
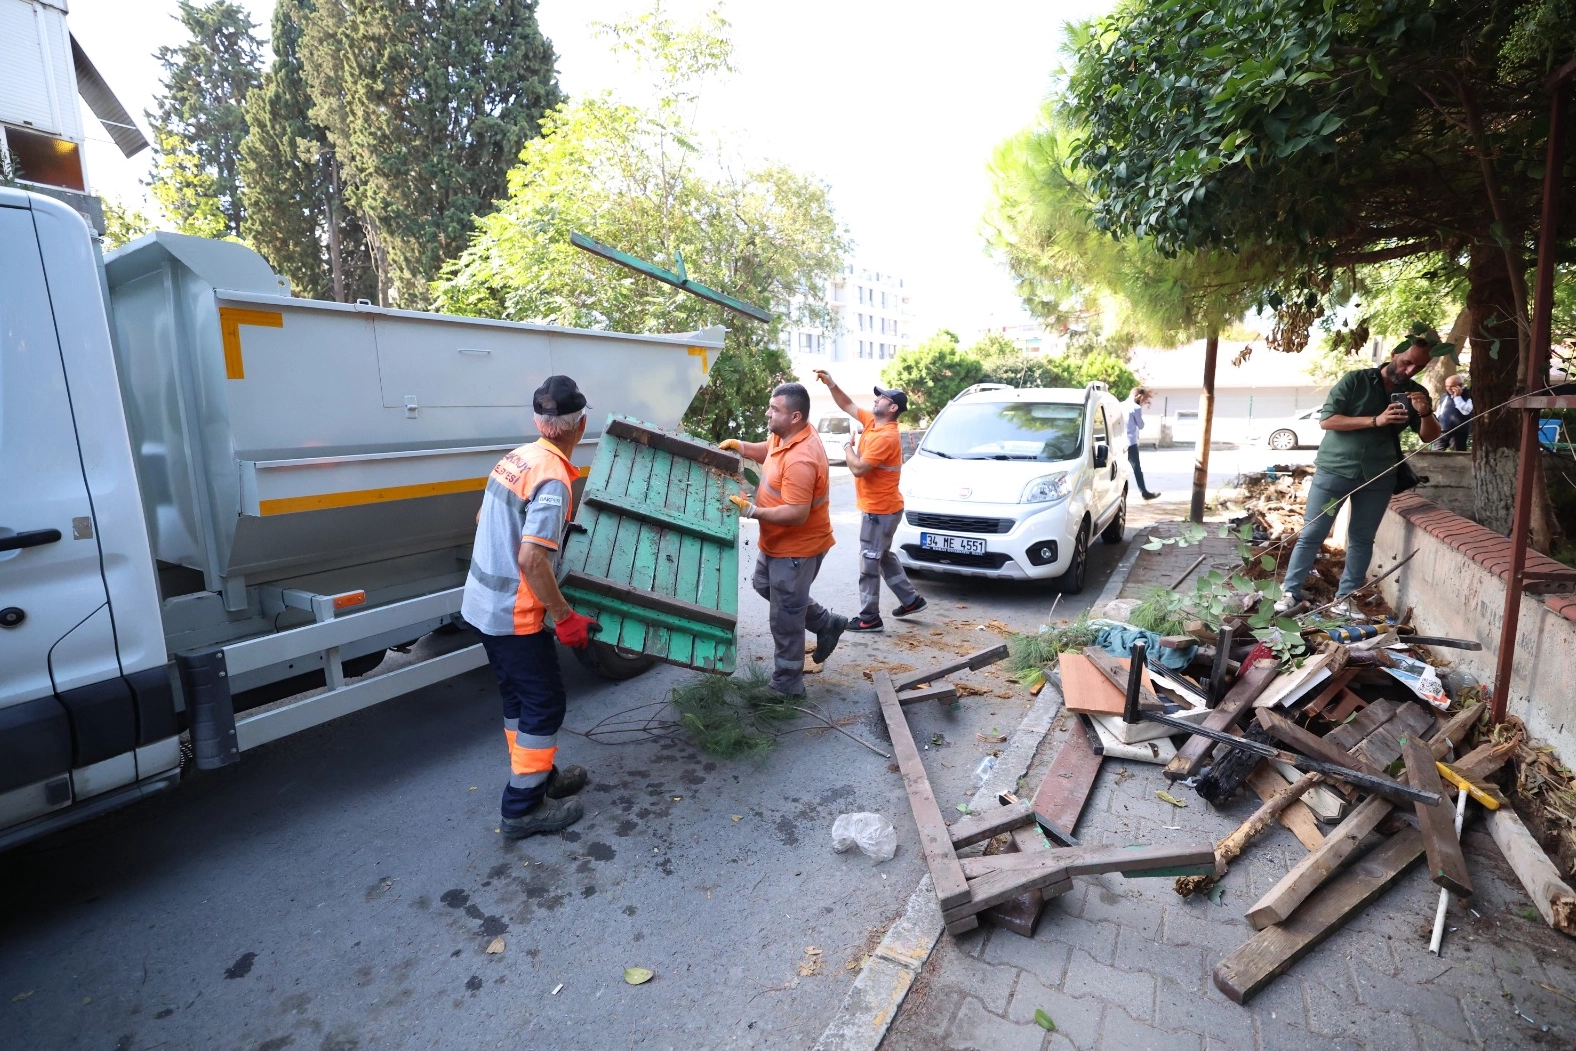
[(871, 833)]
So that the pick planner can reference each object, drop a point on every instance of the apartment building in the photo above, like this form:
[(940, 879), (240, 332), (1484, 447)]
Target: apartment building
[(873, 319)]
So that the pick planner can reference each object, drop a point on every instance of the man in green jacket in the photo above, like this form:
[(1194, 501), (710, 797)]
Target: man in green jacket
[(1357, 461)]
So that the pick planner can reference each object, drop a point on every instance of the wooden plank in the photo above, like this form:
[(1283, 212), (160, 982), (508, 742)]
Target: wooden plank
[(1551, 895), (1020, 915), (935, 839), (1160, 751), (973, 662), (1349, 703), (1310, 744), (1085, 690), (1002, 886), (1070, 779), (659, 516), (1328, 805), (1446, 867), (1346, 735), (674, 607), (686, 570), (1297, 818), (1331, 690), (1383, 746), (944, 692), (1002, 877), (1298, 682), (1137, 733), (675, 445), (1192, 756), (1249, 968), (1117, 670), (977, 828), (1311, 872)]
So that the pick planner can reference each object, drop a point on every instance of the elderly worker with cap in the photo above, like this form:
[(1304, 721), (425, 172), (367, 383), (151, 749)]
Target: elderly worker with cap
[(511, 590), (876, 465), (796, 533), (1363, 417)]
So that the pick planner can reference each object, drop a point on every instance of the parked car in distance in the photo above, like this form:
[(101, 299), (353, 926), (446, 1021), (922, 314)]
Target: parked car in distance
[(835, 432), (1289, 432), (1015, 484)]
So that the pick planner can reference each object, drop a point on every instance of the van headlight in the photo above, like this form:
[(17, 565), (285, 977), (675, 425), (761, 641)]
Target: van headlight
[(1053, 488)]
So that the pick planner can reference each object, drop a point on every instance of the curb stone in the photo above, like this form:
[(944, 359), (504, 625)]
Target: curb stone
[(867, 1011)]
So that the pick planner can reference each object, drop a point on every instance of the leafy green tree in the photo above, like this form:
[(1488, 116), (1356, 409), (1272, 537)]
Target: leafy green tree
[(1333, 135), (199, 121), (123, 223), (296, 212), (647, 179), (933, 372), (426, 104)]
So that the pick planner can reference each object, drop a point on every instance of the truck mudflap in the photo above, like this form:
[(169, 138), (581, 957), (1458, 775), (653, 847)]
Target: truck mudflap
[(210, 711)]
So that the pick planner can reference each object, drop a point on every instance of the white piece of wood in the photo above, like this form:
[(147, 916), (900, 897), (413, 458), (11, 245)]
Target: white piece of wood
[(1160, 750), (1327, 804), (1550, 894), (1293, 685), (1137, 733)]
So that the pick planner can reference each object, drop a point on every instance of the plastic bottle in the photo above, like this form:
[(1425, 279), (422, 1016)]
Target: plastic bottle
[(983, 771)]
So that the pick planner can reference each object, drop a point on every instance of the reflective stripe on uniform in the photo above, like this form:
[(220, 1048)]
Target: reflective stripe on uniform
[(530, 756)]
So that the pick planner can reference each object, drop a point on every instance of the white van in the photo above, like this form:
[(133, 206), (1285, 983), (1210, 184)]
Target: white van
[(835, 432), (1016, 483)]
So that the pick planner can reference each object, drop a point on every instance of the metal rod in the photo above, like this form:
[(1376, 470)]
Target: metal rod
[(1135, 681), (1379, 785), (1217, 674), (1537, 373), (1199, 561)]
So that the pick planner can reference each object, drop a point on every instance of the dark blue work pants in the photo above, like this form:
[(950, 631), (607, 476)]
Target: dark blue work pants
[(533, 709)]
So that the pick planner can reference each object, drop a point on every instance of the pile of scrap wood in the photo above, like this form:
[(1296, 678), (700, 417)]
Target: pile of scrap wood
[(1356, 751), (1273, 500)]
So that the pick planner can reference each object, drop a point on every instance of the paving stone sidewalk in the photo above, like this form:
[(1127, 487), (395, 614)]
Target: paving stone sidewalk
[(1126, 965)]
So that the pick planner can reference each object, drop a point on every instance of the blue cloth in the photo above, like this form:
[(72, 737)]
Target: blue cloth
[(1135, 420), (1118, 640)]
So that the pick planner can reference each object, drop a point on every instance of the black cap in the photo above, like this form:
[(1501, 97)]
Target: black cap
[(897, 397), (557, 396)]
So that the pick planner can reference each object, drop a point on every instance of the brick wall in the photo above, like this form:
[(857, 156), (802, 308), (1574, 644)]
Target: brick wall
[(1455, 586)]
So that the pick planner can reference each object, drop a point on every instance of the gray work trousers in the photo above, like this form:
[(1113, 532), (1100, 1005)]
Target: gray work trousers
[(785, 584), (1325, 495), (876, 561)]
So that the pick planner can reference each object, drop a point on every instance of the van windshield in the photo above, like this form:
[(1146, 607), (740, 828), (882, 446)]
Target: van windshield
[(1013, 430), (834, 425)]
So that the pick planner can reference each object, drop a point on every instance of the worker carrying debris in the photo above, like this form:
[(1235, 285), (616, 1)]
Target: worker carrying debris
[(1359, 460), (791, 504), (876, 464), (512, 587)]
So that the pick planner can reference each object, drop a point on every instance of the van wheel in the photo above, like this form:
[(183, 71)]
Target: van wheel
[(1071, 582), (1116, 528), (613, 663)]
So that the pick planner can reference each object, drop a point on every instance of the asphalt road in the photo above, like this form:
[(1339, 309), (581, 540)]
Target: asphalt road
[(338, 890)]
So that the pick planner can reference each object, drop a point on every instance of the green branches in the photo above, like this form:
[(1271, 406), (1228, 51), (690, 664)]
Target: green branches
[(734, 716)]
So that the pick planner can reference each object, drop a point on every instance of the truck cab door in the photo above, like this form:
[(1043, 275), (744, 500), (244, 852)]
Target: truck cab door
[(63, 704)]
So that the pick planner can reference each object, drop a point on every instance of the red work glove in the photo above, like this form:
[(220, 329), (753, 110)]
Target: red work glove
[(575, 631)]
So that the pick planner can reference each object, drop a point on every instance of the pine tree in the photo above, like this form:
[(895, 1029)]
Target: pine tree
[(427, 104), (199, 123), (296, 212)]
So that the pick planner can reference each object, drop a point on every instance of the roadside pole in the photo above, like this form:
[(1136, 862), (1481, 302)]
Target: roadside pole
[(1201, 460)]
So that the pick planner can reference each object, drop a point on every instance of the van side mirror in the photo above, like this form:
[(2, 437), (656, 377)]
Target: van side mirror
[(1102, 455)]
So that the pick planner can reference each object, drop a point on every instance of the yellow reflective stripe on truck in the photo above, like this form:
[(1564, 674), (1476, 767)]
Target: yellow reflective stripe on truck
[(327, 501), (230, 321)]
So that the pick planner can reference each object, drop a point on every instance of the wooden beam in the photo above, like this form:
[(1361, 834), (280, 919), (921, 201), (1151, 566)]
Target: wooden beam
[(1310, 873), (1446, 867), (1070, 779), (1550, 894), (673, 444), (675, 607), (662, 518), (1249, 968), (944, 692), (935, 839), (1116, 673), (1192, 756), (977, 828), (1331, 690), (973, 662), (1315, 747)]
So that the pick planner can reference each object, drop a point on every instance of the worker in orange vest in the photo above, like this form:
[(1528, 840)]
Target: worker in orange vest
[(511, 589), (796, 533), (876, 464)]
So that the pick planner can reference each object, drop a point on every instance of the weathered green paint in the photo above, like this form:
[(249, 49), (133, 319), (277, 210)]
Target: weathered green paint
[(660, 523)]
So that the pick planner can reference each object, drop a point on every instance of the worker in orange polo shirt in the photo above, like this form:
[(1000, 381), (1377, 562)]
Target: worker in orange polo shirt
[(796, 533), (876, 465)]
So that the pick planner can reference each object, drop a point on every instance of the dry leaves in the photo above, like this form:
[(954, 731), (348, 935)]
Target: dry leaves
[(495, 946), (811, 964)]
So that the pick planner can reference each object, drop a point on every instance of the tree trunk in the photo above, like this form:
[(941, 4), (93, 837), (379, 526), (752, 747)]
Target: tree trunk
[(1496, 432), (1206, 426)]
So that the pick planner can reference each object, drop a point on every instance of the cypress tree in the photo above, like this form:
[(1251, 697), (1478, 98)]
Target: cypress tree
[(427, 104), (199, 122), (296, 212)]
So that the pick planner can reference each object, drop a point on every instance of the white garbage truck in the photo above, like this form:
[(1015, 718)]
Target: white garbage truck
[(221, 505)]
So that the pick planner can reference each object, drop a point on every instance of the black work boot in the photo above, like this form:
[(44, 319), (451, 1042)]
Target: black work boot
[(565, 781), (550, 815), (826, 638)]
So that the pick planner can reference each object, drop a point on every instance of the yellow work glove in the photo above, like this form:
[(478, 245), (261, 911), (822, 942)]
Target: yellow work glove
[(746, 508), (730, 444)]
